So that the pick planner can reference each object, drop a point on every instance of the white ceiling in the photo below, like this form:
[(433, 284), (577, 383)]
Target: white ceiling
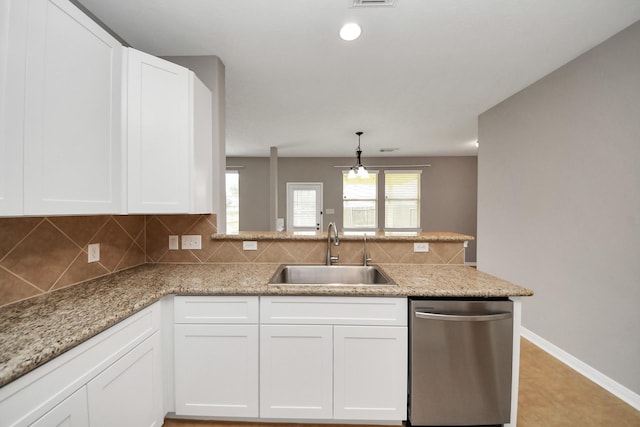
[(416, 79)]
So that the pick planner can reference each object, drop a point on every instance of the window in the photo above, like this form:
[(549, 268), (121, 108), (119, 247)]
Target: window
[(360, 202), (402, 200), (232, 190)]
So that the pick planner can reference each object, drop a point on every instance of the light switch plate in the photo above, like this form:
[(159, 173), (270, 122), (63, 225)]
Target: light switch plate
[(192, 242), (250, 245), (94, 252), (421, 247), (466, 243), (173, 243)]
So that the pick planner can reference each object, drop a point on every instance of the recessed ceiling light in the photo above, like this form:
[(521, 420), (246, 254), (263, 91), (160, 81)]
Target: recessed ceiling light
[(350, 31)]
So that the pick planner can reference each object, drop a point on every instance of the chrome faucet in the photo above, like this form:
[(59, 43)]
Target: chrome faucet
[(336, 241), (365, 255)]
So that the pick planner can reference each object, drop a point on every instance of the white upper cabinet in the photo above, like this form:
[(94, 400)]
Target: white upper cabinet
[(72, 113), (169, 138), (71, 100), (13, 39)]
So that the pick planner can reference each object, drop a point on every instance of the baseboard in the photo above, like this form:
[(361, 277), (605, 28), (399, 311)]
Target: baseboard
[(576, 364), (470, 263)]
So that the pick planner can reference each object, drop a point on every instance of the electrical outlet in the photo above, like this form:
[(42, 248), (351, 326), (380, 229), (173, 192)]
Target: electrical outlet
[(466, 243), (250, 245), (192, 242), (173, 243), (94, 252), (421, 247)]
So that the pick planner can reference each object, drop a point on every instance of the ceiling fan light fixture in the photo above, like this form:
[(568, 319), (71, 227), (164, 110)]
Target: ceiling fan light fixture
[(350, 31)]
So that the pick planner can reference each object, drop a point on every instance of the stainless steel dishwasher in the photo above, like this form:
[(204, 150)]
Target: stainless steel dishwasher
[(460, 362)]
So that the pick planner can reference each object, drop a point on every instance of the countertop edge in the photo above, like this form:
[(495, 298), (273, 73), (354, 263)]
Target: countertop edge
[(378, 237)]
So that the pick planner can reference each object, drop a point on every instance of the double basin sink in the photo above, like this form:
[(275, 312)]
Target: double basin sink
[(325, 275)]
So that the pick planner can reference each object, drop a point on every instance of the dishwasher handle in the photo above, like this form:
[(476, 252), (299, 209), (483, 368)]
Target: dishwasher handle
[(463, 317)]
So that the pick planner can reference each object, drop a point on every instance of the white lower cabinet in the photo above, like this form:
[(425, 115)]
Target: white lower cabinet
[(216, 370), (305, 358), (370, 373), (129, 392), (71, 412), (112, 379), (340, 358), (296, 371), (216, 356)]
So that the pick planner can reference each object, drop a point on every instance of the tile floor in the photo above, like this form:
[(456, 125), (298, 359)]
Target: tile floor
[(551, 395)]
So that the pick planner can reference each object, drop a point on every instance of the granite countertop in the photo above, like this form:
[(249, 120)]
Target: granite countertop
[(425, 236), (36, 330)]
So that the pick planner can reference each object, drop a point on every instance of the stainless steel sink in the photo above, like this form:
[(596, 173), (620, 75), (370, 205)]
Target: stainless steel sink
[(335, 275)]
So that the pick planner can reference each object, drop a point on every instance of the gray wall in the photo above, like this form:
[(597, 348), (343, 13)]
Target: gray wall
[(559, 204), (449, 189)]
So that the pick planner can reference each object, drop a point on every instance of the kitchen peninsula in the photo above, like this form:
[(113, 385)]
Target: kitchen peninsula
[(55, 326)]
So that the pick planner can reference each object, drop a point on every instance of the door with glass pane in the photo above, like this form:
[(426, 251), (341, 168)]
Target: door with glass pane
[(304, 206)]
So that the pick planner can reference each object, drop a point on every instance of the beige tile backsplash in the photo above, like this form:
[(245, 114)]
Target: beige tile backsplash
[(38, 255)]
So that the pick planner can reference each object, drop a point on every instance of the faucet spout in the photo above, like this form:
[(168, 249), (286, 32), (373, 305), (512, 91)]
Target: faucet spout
[(365, 256), (336, 241)]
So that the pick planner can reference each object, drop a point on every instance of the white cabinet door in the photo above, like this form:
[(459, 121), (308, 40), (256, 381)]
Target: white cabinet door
[(169, 144), (129, 392), (370, 372), (71, 412), (216, 370), (296, 371), (72, 127), (13, 39)]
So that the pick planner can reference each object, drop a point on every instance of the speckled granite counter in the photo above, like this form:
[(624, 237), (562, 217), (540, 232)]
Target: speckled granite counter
[(427, 236), (35, 331)]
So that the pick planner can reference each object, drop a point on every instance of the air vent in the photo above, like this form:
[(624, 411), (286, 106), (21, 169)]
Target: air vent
[(369, 3)]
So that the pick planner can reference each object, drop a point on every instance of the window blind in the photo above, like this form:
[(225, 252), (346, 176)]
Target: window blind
[(402, 199)]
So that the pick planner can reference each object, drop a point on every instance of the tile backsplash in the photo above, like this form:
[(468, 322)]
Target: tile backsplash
[(39, 255)]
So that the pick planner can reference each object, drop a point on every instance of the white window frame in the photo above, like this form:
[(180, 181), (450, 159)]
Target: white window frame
[(318, 187), (419, 202), (234, 172), (362, 230)]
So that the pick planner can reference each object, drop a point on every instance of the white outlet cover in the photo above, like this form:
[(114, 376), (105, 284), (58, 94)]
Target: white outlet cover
[(173, 243), (93, 251), (421, 247), (250, 245), (192, 242)]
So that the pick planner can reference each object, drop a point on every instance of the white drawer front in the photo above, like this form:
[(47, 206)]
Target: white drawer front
[(214, 309), (334, 310)]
